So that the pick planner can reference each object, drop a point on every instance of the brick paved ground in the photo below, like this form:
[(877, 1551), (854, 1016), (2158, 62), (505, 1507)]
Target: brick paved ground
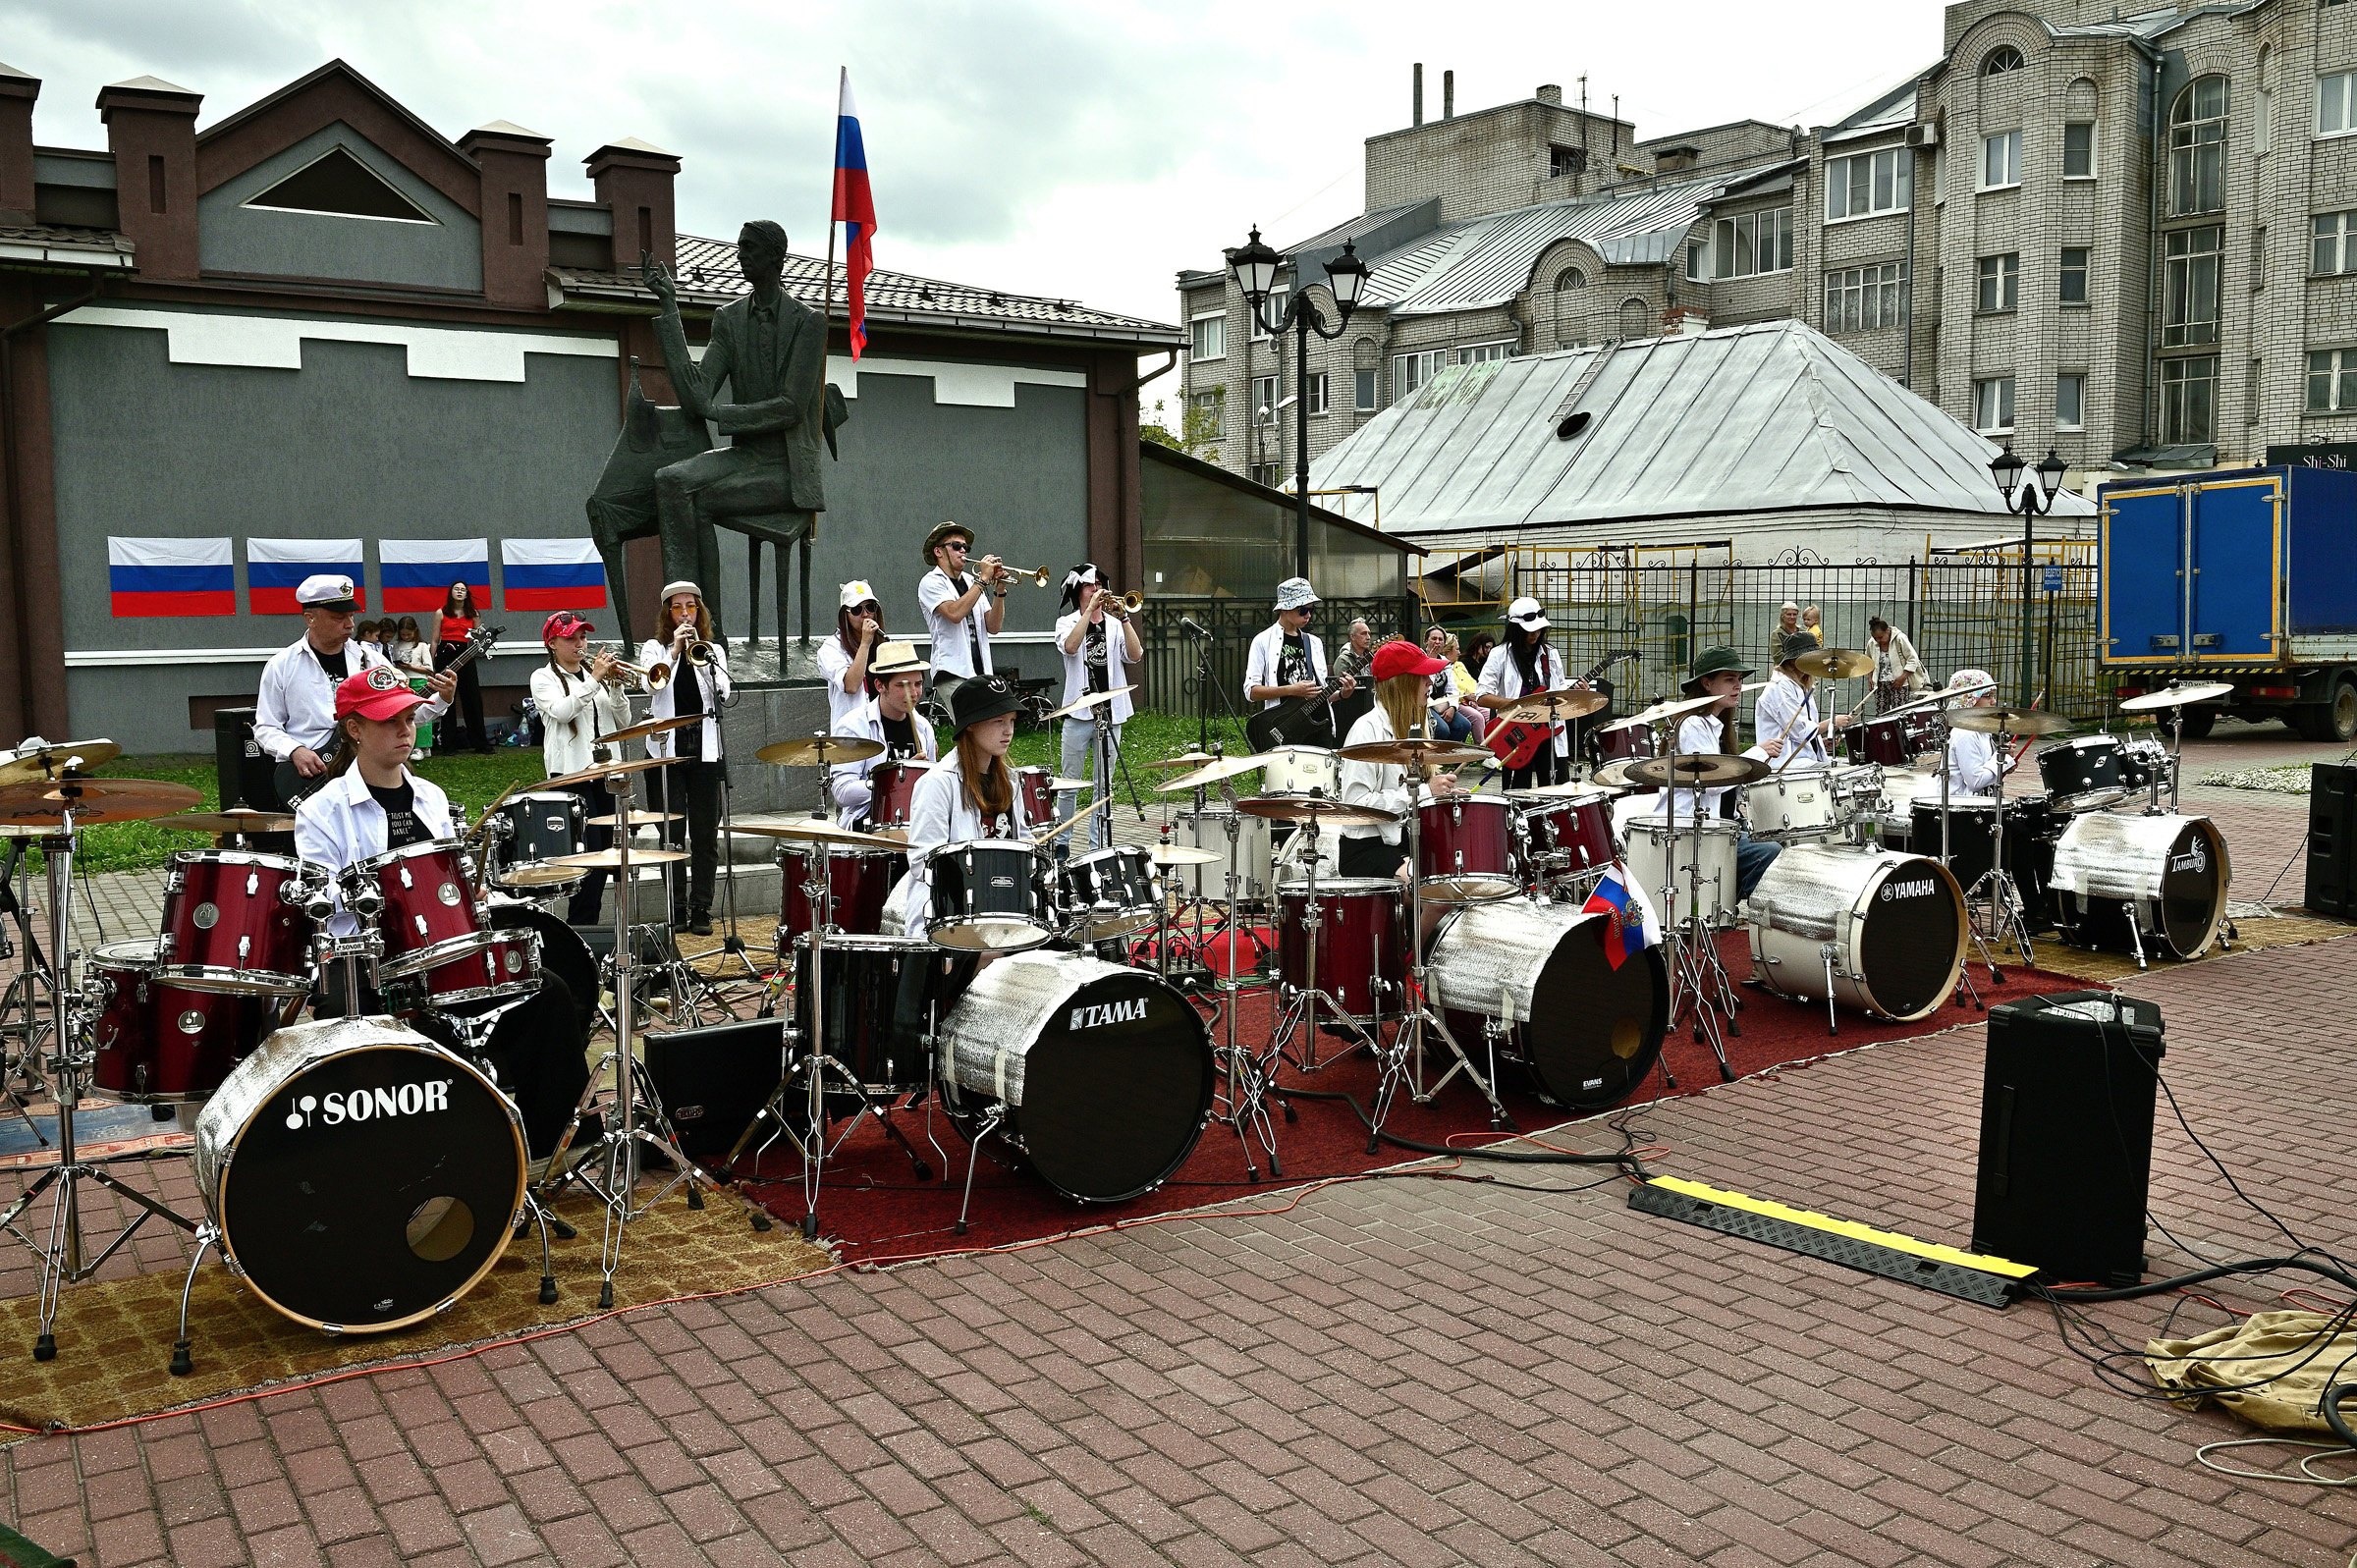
[(1403, 1371)]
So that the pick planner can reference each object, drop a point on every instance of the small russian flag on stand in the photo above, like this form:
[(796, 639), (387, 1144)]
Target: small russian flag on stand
[(856, 209), (276, 567), (416, 573), (552, 575), (171, 577), (1630, 914)]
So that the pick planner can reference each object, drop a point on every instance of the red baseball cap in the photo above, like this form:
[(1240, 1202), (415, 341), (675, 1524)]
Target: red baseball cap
[(564, 624), (1399, 657), (377, 692)]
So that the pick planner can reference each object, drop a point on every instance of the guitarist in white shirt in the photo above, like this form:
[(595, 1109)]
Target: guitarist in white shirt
[(294, 710), (1288, 662), (1524, 662)]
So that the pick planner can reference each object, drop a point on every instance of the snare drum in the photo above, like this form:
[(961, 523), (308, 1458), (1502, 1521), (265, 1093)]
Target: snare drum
[(1300, 771), (2085, 774), (167, 1043), (1878, 931), (537, 829), (232, 921), (1465, 851), (1108, 894), (1567, 834), (859, 881), (891, 788), (860, 1006), (989, 896), (1360, 943), (1709, 846), (1798, 804)]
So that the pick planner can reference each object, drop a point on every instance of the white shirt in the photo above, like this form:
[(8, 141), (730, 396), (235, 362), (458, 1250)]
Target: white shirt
[(1381, 785), (1501, 676), (847, 781), (665, 703), (1260, 665), (413, 656), (1897, 666), (575, 711), (940, 813), (340, 824), (1698, 734), (297, 703), (833, 663), (1076, 666), (953, 644), (1972, 764), (1784, 704)]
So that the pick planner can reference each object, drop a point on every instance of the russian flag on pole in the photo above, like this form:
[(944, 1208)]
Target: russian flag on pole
[(1631, 916), (418, 572), (171, 577), (854, 210), (276, 567), (553, 573)]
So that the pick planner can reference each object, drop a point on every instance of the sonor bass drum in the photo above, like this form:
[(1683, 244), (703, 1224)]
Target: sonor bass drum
[(2155, 883), (1892, 925), (360, 1177)]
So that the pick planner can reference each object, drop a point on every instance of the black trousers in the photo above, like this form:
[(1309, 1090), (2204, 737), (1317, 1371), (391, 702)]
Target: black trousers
[(1544, 769), (471, 694), (1370, 858), (581, 909), (692, 789)]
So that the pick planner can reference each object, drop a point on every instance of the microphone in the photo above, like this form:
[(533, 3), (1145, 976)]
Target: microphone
[(1187, 623)]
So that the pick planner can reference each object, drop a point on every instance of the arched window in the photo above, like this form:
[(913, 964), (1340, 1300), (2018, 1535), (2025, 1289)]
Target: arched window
[(1637, 319), (1568, 279), (2000, 60), (2197, 148)]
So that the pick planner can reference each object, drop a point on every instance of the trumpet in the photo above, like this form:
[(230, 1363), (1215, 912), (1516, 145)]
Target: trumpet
[(700, 654), (1010, 574), (654, 676), (1123, 606)]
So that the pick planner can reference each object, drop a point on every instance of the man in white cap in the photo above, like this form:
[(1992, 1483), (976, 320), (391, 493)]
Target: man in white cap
[(889, 717), (1287, 660), (1974, 767), (295, 711), (1524, 662)]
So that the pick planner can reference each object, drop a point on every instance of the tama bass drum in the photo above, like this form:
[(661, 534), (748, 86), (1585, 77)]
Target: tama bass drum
[(2150, 884), (1587, 1032)]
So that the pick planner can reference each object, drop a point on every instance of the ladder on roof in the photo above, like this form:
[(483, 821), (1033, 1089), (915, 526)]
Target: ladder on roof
[(1587, 378)]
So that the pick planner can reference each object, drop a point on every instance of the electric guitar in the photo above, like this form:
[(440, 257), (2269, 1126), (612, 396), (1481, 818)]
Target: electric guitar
[(1515, 745), (294, 788), (1297, 722)]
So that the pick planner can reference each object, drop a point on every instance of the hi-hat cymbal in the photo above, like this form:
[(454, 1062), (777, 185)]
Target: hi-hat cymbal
[(1835, 663), (1660, 713), (1697, 770), (1614, 775), (611, 859), (1183, 762), (1180, 854), (223, 823), (820, 751), (539, 875), (1320, 810), (818, 829), (56, 760), (638, 819), (652, 726), (1411, 752), (1214, 770), (1090, 701), (2177, 696), (604, 771), (2008, 721), (94, 802)]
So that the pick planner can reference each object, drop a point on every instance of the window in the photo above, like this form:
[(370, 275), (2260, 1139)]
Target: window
[(1563, 162), (2197, 148), (1568, 279), (2263, 123), (1698, 260), (1317, 395), (2250, 397), (336, 184), (2259, 258), (2000, 60), (1273, 309), (1754, 242), (2335, 249), (1867, 183), (1207, 338), (1362, 391), (1862, 298), (2189, 285), (2072, 289), (1211, 407), (2190, 398), (1409, 371), (1482, 353), (2001, 160), (2336, 104), (1993, 406), (1271, 474), (1264, 400), (2001, 281), (2078, 150), (2332, 381), (2070, 401)]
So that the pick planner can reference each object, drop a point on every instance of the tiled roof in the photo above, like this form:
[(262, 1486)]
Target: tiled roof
[(63, 244)]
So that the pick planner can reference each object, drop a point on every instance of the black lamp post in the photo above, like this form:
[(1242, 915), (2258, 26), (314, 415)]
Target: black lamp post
[(1255, 267), (2032, 502)]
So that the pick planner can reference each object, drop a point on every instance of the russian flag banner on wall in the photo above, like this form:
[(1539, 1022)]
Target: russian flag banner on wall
[(416, 573), (171, 577), (553, 574), (276, 567)]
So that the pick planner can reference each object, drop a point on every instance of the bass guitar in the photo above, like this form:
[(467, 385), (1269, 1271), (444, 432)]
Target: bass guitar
[(294, 788), (1300, 721), (1516, 745)]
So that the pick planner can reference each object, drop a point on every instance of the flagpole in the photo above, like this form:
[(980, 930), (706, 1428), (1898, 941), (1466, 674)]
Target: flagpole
[(826, 329)]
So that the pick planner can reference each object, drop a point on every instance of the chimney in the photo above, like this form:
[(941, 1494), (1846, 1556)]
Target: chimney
[(1690, 321), (16, 94), (515, 171), (1416, 95), (634, 180), (1551, 92), (1447, 94), (151, 129)]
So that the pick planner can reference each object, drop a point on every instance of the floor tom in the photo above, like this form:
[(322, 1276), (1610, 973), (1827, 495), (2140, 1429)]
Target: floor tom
[(1360, 941), (1706, 848), (1208, 829), (858, 1015), (158, 1042), (859, 881)]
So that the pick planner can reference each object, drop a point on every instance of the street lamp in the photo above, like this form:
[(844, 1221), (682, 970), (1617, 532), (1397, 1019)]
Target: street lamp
[(2032, 502), (1255, 266)]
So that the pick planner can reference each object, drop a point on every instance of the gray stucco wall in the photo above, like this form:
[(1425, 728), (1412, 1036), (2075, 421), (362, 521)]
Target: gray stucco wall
[(447, 253)]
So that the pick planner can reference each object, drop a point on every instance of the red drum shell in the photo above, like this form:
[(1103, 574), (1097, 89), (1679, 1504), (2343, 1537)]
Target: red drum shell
[(859, 881), (893, 792), (1039, 801), (167, 1043), (1468, 848), (430, 912), (226, 928), (504, 964), (1580, 828), (1363, 939), (1613, 745)]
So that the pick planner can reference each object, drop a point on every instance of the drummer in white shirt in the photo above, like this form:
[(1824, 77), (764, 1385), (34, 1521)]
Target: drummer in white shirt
[(842, 658), (1974, 768), (1403, 674), (1717, 672), (970, 794), (889, 717), (1786, 711), (1096, 658)]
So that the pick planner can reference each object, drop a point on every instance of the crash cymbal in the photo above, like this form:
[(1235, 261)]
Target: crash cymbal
[(1088, 702), (611, 859), (604, 771), (1214, 770), (1180, 854), (1061, 785), (56, 759), (818, 829), (1321, 810), (1660, 713), (1412, 752), (2008, 721), (1183, 762), (542, 876), (1697, 771), (1544, 707), (639, 819), (652, 726), (820, 751), (2177, 696), (94, 802), (223, 823), (1835, 663)]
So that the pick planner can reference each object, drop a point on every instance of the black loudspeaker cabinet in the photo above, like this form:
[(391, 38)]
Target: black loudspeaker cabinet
[(2332, 840), (714, 1081), (244, 770), (2067, 1134)]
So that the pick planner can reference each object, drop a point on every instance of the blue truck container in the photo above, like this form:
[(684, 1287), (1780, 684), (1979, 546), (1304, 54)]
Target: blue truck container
[(2246, 575)]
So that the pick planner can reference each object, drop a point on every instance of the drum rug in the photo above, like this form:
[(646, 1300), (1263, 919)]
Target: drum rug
[(2279, 931), (114, 1336)]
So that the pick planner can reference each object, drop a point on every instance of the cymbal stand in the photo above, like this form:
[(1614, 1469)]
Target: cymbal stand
[(61, 1257), (733, 951), (1251, 1076), (1696, 977), (1407, 1040), (1967, 992), (28, 996), (1297, 1020)]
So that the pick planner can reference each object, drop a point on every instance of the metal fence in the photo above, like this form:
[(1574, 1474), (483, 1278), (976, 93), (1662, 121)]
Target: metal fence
[(1171, 662)]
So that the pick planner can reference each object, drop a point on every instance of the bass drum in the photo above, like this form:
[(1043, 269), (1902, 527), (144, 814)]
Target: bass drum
[(1586, 1032), (1895, 922), (360, 1177), (2155, 881), (1103, 1075)]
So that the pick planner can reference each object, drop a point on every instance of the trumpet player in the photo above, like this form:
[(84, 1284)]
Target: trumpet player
[(580, 698), (957, 618), (698, 685), (1096, 658)]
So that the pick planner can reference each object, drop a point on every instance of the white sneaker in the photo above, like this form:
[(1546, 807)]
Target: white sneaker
[(417, 755)]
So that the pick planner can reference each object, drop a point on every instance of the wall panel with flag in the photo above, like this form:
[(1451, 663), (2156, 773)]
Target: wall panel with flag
[(276, 567), (171, 577), (416, 573), (552, 575)]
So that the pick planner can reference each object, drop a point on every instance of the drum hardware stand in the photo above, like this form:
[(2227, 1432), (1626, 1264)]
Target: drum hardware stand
[(1252, 1078), (1972, 931), (27, 993), (1697, 979), (1407, 1040), (1297, 1020), (732, 946)]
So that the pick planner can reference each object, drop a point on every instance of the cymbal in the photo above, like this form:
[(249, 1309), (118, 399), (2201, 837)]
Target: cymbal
[(1697, 770), (1569, 789), (1058, 784), (541, 876), (1660, 713), (2177, 696), (1322, 811), (1415, 751), (2008, 721), (1214, 770), (1186, 760), (1547, 707), (1090, 701), (1179, 854), (820, 751), (1835, 663), (1613, 775), (818, 829), (94, 802), (652, 726), (56, 760), (638, 819), (222, 823), (611, 859), (604, 771)]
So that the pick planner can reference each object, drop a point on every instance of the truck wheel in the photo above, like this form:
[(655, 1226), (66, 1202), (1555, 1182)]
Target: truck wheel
[(2336, 720), (2200, 720)]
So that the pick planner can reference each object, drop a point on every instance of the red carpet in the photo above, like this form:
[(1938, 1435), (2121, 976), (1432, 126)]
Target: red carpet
[(873, 1205)]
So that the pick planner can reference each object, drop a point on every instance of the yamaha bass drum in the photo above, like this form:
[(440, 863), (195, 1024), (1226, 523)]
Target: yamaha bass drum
[(1878, 930)]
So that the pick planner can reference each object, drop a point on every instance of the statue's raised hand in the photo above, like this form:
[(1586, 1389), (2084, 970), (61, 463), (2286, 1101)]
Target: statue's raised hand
[(652, 273)]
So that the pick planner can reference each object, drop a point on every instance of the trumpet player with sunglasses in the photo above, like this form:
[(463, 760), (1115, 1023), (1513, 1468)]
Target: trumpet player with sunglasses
[(957, 618), (1098, 637)]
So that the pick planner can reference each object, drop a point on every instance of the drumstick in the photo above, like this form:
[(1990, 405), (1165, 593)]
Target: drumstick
[(1074, 818)]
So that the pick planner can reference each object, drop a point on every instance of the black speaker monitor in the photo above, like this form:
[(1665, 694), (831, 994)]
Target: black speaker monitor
[(2332, 840), (244, 773), (714, 1081)]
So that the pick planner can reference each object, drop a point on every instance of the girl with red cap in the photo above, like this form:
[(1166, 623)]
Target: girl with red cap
[(1402, 675)]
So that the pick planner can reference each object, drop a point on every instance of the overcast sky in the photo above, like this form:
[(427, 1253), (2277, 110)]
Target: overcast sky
[(1086, 151)]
